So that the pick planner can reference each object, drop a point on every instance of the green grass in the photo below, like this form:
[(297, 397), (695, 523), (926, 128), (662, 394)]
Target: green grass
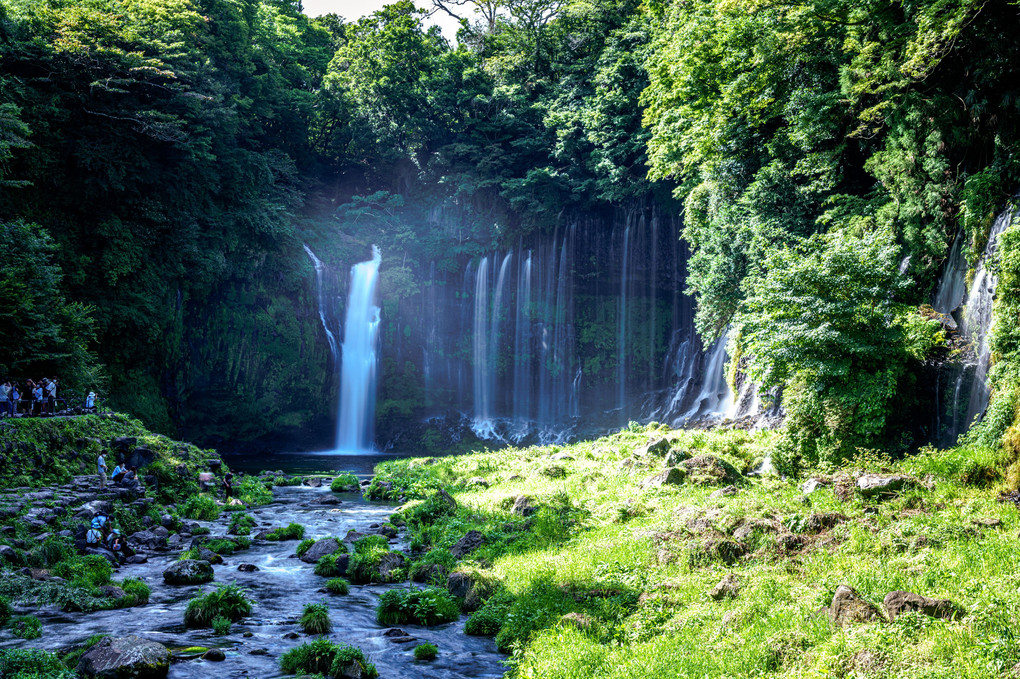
[(344, 482), (429, 606), (294, 531), (327, 566), (227, 601), (322, 657), (610, 579), (425, 651), (315, 619), (200, 508), (241, 524), (25, 627), (337, 586)]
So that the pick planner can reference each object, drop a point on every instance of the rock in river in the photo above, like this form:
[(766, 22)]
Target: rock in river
[(188, 572), (125, 658), (322, 548)]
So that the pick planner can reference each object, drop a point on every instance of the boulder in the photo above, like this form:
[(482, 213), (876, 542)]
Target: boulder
[(899, 602), (561, 456), (388, 564), (150, 539), (659, 446), (447, 499), (9, 554), (471, 541), (674, 476), (247, 567), (388, 531), (816, 523), (353, 536), (523, 506), (459, 584), (724, 492), (813, 484), (210, 556), (479, 481), (432, 572), (112, 592), (215, 655), (879, 485), (313, 482), (141, 457), (188, 572), (708, 470), (123, 443), (125, 658), (321, 548), (727, 588), (715, 549), (848, 607)]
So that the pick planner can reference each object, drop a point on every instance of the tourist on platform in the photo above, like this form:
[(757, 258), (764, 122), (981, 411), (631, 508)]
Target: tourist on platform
[(15, 398), (90, 402), (5, 399), (51, 395)]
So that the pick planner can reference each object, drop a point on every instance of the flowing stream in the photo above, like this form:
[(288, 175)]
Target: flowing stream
[(280, 588)]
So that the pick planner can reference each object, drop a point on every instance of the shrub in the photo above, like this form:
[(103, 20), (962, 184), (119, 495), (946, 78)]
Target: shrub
[(363, 567), (5, 610), (370, 542), (200, 508), (489, 619), (304, 546), (425, 651), (326, 566), (254, 492), (241, 524), (338, 586), (344, 482), (326, 658), (137, 593), (85, 571), (431, 510), (32, 663), (26, 627), (221, 547), (315, 619), (294, 531), (429, 606), (228, 601), (221, 626)]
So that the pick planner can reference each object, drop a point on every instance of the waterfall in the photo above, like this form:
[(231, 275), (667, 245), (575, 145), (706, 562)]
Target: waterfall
[(621, 343), (358, 374), (482, 423), (522, 350), (494, 336), (953, 283), (320, 269), (715, 393)]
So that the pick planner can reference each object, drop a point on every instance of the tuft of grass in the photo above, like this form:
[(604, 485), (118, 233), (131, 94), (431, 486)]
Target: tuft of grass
[(337, 586), (322, 657), (344, 482), (221, 626), (426, 651), (294, 531), (200, 508), (26, 627), (315, 619), (137, 593), (227, 601), (429, 606), (327, 566), (241, 524), (254, 492), (304, 546)]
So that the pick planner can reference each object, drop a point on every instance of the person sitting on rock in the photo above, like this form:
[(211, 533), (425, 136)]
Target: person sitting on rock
[(94, 537), (119, 473), (116, 544)]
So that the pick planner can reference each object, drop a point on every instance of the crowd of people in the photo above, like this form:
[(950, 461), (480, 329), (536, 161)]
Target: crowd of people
[(35, 398), (101, 535)]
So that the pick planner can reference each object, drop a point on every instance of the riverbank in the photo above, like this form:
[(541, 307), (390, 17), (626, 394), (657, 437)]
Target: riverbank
[(652, 553)]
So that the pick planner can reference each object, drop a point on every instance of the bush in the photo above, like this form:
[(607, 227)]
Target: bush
[(337, 586), (425, 651), (137, 593), (315, 619), (304, 546), (241, 524), (85, 571), (326, 566), (431, 510), (363, 567), (294, 531), (429, 606), (26, 627), (221, 626), (325, 658), (5, 611), (228, 601), (254, 492), (222, 547), (369, 543), (200, 508), (32, 663), (344, 482), (489, 619)]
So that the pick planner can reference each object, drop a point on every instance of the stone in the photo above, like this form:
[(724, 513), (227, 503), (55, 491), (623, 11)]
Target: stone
[(215, 655), (986, 522), (708, 470), (353, 536), (313, 482), (657, 447), (899, 602), (727, 588), (259, 651), (160, 531), (790, 542), (395, 632), (816, 523), (479, 481), (188, 572), (388, 531), (123, 443), (471, 541), (321, 548), (844, 487), (459, 584), (147, 538), (141, 457), (247, 567), (329, 500), (523, 506), (724, 492), (848, 607), (388, 563), (561, 456), (112, 592), (715, 549), (210, 556), (447, 499), (137, 559), (166, 521), (674, 476), (813, 484), (291, 635), (882, 485), (9, 554), (432, 572), (125, 658)]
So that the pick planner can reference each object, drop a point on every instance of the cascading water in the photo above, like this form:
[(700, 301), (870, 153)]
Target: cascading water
[(482, 423), (320, 270), (355, 430)]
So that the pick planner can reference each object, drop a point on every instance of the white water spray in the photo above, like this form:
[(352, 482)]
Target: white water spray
[(360, 356)]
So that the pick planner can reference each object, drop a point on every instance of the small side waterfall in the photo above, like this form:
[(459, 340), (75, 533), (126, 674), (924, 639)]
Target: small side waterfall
[(320, 270), (355, 432), (482, 421)]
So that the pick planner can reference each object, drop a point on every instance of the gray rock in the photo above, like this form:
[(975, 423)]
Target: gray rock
[(658, 446), (160, 531), (215, 655), (562, 456), (674, 476), (725, 492), (523, 506), (848, 607), (313, 482), (321, 548), (149, 539), (125, 658), (247, 567), (141, 457), (389, 563), (479, 481), (210, 556), (188, 572), (816, 523), (9, 554), (471, 541), (727, 588), (387, 531), (709, 470), (813, 484), (898, 602), (876, 485), (459, 584), (112, 592), (353, 536)]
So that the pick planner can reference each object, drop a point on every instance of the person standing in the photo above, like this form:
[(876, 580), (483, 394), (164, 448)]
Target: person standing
[(51, 395), (228, 486), (37, 394), (5, 399), (15, 398), (101, 468), (90, 401)]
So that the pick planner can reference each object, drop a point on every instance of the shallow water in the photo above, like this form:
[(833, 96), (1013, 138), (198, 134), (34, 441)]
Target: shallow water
[(308, 463), (281, 587)]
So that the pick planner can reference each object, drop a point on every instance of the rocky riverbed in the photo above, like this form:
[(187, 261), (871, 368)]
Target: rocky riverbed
[(280, 585)]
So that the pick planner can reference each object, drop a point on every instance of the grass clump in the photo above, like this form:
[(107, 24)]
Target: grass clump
[(294, 531), (221, 626), (322, 657), (425, 651), (227, 547), (327, 566), (344, 482), (26, 627), (137, 593), (33, 663), (488, 620), (254, 492), (241, 524), (315, 619), (200, 508), (429, 606), (227, 601), (304, 546), (337, 586)]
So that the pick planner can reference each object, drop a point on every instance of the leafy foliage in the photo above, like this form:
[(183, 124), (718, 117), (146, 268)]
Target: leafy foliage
[(226, 601), (429, 606), (325, 658)]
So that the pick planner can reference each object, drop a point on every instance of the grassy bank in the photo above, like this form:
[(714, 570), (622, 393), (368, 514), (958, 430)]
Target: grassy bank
[(585, 570)]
